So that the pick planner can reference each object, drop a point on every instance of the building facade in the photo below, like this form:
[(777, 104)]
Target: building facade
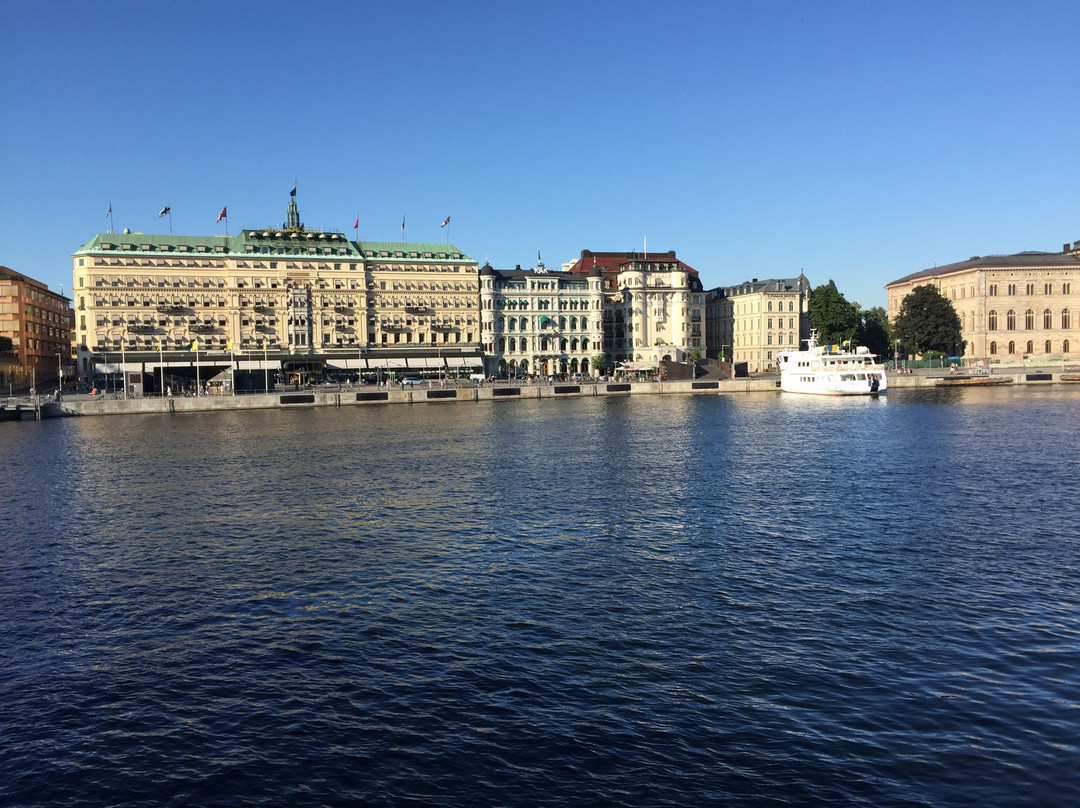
[(291, 300), (539, 322), (653, 308), (1011, 307), (755, 320), (39, 324)]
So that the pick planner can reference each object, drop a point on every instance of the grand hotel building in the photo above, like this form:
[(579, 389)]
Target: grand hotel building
[(1011, 307), (287, 300)]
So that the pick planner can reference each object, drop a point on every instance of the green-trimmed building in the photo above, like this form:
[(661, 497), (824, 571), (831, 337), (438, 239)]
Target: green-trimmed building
[(279, 304)]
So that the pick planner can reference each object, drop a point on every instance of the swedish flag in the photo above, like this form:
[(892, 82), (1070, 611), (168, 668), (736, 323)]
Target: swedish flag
[(194, 345)]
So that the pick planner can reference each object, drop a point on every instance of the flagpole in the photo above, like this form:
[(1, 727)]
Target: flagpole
[(198, 378), (170, 220), (161, 359), (110, 217)]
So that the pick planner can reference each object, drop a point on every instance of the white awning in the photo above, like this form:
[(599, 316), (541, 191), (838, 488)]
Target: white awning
[(258, 364), (424, 362)]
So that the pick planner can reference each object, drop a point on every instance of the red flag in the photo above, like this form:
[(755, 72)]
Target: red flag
[(445, 222), (222, 215), (356, 224)]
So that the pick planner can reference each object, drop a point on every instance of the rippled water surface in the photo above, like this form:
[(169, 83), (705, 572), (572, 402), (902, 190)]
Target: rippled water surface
[(750, 600)]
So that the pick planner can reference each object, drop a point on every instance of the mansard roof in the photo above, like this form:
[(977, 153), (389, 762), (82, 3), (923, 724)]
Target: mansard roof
[(611, 262), (404, 251), (1030, 259)]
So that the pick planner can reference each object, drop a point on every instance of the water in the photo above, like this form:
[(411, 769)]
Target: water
[(746, 600)]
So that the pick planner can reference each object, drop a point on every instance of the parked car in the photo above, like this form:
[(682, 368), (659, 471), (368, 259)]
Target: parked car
[(410, 380), (477, 377)]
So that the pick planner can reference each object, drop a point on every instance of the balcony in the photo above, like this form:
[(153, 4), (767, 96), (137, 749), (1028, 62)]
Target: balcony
[(141, 328), (202, 328), (419, 310), (171, 308)]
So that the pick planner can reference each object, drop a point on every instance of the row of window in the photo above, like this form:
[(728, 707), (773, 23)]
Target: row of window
[(1029, 289), (1029, 320), (514, 344), (1048, 347)]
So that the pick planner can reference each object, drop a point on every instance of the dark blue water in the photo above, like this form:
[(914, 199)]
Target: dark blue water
[(753, 600)]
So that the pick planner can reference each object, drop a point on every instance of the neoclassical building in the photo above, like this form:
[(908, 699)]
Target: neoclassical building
[(536, 321), (1011, 307), (751, 322), (653, 308), (289, 300)]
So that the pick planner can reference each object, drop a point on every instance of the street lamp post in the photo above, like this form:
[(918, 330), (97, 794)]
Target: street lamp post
[(731, 362), (59, 373)]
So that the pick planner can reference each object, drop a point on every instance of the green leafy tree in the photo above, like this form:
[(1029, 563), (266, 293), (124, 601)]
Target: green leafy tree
[(834, 319), (598, 363), (874, 331), (927, 321), (6, 345)]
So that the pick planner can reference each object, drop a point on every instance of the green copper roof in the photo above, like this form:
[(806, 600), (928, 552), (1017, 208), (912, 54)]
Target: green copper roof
[(138, 241), (408, 250)]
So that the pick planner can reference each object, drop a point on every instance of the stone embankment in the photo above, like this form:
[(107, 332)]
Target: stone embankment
[(350, 396)]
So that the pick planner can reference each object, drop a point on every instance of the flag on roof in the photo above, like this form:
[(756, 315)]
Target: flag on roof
[(356, 224), (293, 191), (107, 215), (445, 222), (165, 211), (403, 223), (223, 214)]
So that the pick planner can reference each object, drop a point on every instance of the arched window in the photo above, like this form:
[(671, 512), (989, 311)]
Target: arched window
[(584, 324), (1065, 319), (584, 343), (562, 344), (502, 323), (791, 305), (1065, 347), (1047, 319), (1012, 347), (770, 305), (1029, 320), (524, 343), (573, 343), (562, 323), (993, 348), (1030, 348), (524, 324), (991, 322), (1010, 321), (1046, 347), (502, 344), (573, 323), (513, 322)]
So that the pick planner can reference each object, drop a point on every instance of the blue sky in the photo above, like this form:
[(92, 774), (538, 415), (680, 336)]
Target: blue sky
[(854, 141)]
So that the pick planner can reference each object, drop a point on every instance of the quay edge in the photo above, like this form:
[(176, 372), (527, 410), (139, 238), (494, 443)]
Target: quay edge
[(86, 405)]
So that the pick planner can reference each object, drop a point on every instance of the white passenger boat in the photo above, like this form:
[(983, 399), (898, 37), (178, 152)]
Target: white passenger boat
[(831, 370)]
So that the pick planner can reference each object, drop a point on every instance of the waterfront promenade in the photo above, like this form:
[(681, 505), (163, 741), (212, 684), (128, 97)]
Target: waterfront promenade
[(346, 395)]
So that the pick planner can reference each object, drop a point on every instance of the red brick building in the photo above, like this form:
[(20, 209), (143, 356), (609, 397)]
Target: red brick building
[(40, 325)]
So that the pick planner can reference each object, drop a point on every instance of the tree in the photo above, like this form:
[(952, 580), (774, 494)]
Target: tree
[(874, 331), (6, 345), (834, 319), (928, 322), (598, 363)]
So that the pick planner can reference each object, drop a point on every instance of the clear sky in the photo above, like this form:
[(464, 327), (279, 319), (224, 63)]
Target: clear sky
[(854, 141)]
